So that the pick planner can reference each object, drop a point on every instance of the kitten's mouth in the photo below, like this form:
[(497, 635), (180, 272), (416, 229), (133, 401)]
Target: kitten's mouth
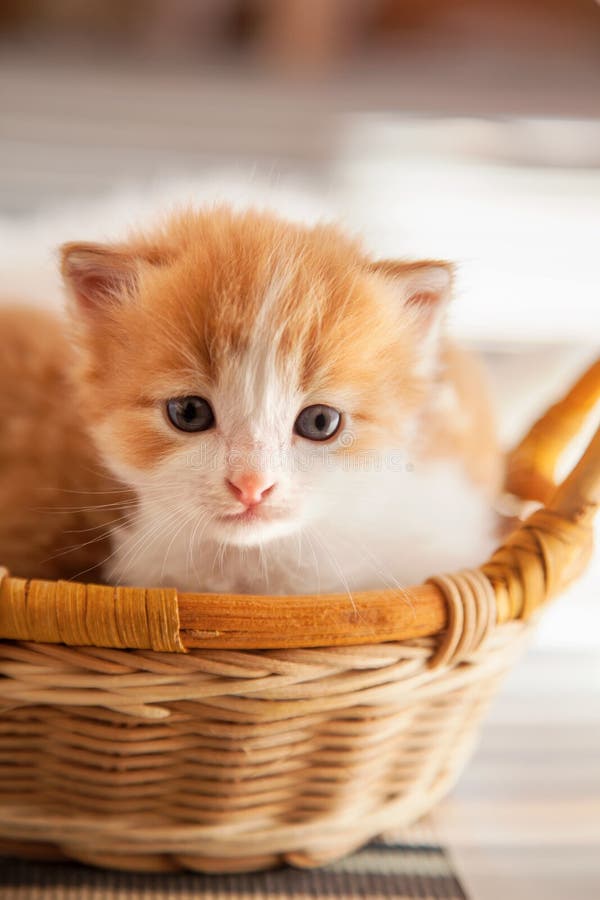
[(254, 526), (251, 516)]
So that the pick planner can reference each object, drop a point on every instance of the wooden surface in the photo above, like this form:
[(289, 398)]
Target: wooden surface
[(524, 820)]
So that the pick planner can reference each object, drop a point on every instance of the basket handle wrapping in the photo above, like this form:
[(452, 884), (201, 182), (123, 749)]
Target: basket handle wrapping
[(546, 552)]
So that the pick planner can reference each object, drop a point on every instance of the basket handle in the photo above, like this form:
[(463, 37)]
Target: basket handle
[(532, 463), (553, 545)]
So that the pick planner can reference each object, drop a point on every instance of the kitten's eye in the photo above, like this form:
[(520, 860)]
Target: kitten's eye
[(318, 422), (190, 413)]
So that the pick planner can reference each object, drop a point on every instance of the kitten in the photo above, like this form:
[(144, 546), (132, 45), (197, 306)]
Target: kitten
[(289, 415)]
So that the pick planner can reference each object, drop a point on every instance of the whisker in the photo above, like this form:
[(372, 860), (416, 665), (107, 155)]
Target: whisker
[(148, 536), (337, 567), (108, 525), (72, 548), (202, 521), (189, 518), (317, 567), (388, 579), (116, 550)]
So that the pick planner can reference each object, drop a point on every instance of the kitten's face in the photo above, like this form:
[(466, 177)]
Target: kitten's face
[(236, 368)]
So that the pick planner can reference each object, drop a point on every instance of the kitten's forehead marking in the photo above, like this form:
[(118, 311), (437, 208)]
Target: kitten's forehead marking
[(262, 382)]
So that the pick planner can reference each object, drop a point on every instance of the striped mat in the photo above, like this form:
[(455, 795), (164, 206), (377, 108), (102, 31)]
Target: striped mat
[(379, 872)]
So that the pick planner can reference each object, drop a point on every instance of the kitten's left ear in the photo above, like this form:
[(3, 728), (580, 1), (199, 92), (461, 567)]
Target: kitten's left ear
[(425, 287)]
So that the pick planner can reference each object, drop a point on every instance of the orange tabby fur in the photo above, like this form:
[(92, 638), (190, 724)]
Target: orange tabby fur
[(50, 474)]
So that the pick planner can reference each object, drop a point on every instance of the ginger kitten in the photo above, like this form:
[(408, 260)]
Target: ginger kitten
[(288, 414)]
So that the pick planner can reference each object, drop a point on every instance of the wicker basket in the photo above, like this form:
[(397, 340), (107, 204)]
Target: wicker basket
[(292, 729)]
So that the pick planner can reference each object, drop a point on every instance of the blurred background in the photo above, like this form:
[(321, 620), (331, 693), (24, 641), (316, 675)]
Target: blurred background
[(468, 130)]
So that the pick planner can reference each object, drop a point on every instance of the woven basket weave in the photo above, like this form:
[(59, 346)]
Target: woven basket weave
[(148, 730)]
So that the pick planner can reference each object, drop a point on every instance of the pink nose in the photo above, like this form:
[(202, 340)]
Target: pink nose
[(249, 488)]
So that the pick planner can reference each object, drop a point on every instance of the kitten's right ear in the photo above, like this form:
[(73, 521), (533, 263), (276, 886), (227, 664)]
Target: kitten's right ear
[(102, 275)]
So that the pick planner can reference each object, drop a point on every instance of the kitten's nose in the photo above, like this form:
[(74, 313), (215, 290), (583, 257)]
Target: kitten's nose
[(250, 488)]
